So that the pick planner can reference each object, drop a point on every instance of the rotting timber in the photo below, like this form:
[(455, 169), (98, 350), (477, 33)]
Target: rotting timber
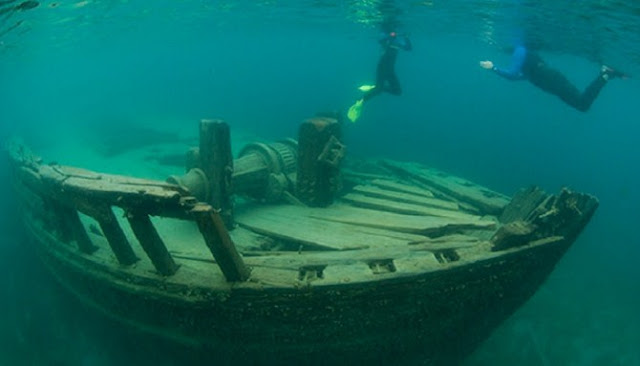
[(320, 260)]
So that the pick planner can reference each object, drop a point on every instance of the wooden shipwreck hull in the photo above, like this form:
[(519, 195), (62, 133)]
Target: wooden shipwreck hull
[(407, 263)]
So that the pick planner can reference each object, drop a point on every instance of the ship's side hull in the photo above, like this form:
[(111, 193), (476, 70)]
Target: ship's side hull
[(436, 317)]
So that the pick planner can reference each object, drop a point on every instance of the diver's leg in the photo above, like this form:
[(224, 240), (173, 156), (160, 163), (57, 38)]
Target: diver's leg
[(591, 92), (372, 93), (554, 82), (394, 85), (380, 80)]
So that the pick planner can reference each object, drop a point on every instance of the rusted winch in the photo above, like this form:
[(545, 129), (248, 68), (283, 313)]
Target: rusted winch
[(262, 171), (305, 171)]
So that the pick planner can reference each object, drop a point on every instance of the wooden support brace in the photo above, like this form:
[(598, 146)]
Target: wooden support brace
[(115, 236), (61, 224), (72, 219), (216, 161), (217, 238), (152, 243)]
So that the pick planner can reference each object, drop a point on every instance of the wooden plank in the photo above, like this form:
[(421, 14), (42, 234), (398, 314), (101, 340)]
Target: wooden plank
[(464, 206), (372, 191), (402, 208), (446, 242), (107, 183), (404, 188), (524, 202), (80, 187), (356, 175), (74, 172), (458, 238), (295, 225), (307, 233), (295, 261), (391, 222), (489, 201), (301, 214), (425, 225)]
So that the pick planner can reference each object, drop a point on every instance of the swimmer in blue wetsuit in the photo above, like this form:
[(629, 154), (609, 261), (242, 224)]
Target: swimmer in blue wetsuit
[(386, 78), (528, 65)]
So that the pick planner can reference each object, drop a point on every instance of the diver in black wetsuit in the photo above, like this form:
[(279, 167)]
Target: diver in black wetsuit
[(529, 65), (386, 78)]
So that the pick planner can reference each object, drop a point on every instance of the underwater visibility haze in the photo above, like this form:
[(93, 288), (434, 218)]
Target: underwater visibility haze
[(79, 78)]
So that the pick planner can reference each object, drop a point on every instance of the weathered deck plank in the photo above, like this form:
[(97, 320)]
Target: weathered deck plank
[(376, 192), (389, 205), (360, 218), (111, 188), (399, 187), (297, 224), (487, 200)]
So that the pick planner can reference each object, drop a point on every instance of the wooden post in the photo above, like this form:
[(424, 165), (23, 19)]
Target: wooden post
[(152, 243), (115, 236), (217, 238), (319, 155), (217, 163)]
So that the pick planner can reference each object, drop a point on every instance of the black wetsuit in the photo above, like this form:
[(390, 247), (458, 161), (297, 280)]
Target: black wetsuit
[(386, 78), (529, 65)]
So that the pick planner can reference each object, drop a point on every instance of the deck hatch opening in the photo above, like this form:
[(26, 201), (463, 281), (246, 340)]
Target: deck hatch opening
[(311, 273), (380, 266), (446, 255)]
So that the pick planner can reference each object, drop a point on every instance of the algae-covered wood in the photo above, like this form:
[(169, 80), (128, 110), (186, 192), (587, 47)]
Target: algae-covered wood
[(485, 199), (400, 187), (312, 285), (360, 217), (391, 205), (84, 188), (405, 197), (297, 225)]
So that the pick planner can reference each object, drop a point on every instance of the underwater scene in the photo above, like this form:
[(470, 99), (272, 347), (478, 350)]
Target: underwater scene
[(505, 93)]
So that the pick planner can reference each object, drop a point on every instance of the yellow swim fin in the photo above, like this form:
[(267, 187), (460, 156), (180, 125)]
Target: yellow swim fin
[(354, 112), (365, 88)]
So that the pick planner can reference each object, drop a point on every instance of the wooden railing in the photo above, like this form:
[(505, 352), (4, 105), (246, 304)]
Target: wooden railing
[(68, 191)]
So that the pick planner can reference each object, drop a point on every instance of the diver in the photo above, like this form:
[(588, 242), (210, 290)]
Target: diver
[(386, 78), (25, 5), (526, 64)]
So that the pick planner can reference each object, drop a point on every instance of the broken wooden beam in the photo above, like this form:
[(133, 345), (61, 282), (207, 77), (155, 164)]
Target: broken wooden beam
[(219, 243), (513, 234), (524, 202)]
